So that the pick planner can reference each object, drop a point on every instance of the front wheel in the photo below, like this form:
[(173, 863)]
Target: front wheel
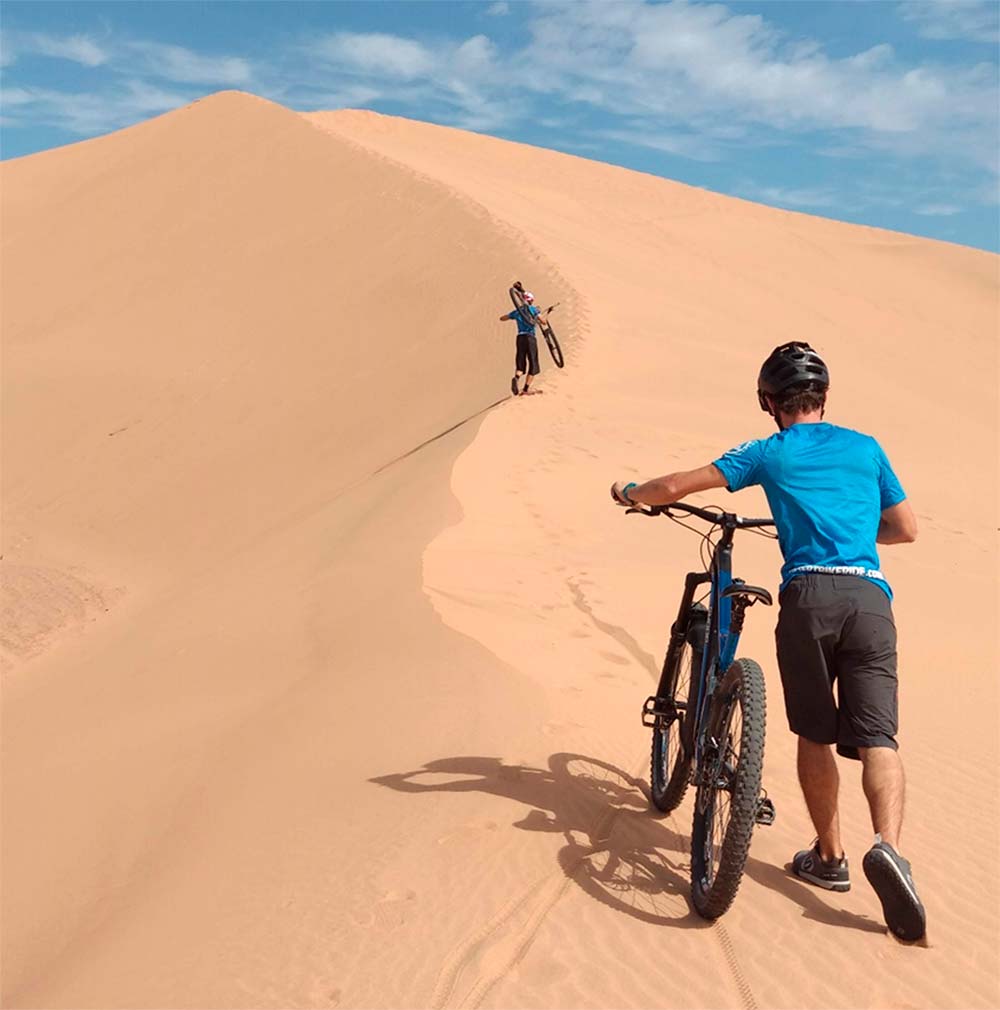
[(728, 788), (554, 349), (670, 764)]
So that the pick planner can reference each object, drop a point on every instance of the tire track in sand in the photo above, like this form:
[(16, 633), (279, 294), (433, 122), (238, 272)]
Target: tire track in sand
[(498, 950), (619, 635), (494, 950)]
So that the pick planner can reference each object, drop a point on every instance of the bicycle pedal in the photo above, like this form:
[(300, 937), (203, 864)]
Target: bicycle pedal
[(766, 814), (656, 708)]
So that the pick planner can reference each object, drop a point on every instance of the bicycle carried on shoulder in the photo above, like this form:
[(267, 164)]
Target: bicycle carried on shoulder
[(541, 321), (708, 716)]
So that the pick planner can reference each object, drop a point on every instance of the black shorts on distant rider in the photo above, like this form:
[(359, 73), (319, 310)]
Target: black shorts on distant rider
[(527, 354)]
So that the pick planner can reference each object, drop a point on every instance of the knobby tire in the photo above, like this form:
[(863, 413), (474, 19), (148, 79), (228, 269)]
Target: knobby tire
[(670, 760), (715, 881)]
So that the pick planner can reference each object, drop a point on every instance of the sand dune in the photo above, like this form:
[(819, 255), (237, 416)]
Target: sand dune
[(297, 716)]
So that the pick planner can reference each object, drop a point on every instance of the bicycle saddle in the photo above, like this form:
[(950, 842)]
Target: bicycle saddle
[(753, 593)]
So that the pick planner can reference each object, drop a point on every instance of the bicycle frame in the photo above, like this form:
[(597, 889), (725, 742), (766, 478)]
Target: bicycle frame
[(725, 619), (723, 637)]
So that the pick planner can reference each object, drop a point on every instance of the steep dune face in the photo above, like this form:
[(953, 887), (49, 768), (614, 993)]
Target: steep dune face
[(221, 300), (218, 325)]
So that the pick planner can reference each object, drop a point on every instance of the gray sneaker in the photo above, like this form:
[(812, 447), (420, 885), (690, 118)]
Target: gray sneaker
[(891, 877), (810, 866)]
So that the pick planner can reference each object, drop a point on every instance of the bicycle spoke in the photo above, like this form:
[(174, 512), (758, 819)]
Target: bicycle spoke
[(720, 803), (670, 762)]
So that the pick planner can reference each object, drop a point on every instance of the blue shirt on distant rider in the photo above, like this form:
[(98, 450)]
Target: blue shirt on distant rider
[(827, 487), (523, 326)]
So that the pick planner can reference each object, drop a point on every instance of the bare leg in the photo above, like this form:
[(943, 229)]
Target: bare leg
[(820, 783), (885, 787)]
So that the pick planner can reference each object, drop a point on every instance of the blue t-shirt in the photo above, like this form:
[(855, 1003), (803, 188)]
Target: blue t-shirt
[(827, 487), (523, 326)]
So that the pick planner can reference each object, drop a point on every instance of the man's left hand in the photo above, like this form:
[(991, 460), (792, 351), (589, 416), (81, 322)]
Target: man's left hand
[(619, 492)]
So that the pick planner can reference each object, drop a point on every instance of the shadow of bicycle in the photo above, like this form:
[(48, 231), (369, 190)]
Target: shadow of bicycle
[(614, 850)]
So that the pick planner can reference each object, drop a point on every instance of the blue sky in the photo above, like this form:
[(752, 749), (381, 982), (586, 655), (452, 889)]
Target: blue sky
[(882, 113)]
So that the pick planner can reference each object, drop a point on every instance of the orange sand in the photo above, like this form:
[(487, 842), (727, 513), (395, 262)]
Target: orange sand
[(295, 716)]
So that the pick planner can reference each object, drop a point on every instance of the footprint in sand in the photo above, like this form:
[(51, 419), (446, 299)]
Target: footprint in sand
[(612, 658), (390, 911), (557, 727), (470, 829)]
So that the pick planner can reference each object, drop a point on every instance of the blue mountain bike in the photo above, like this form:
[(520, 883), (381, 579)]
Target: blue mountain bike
[(708, 715)]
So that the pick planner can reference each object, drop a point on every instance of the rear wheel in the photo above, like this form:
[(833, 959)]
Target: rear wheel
[(670, 765), (728, 789)]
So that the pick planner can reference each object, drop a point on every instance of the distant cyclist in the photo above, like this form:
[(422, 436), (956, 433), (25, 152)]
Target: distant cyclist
[(833, 496), (526, 355)]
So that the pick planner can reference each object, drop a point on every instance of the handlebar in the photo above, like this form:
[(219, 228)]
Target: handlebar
[(715, 518)]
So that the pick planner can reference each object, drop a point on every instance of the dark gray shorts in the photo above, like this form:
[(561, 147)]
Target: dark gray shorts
[(526, 359), (838, 629)]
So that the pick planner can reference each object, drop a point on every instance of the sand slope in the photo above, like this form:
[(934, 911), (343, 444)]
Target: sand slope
[(218, 325), (685, 292), (284, 726)]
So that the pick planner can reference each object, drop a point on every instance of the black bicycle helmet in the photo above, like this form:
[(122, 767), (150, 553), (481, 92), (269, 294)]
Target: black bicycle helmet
[(788, 365)]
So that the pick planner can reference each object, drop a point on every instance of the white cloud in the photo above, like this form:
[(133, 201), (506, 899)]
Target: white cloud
[(350, 96), (784, 196), (88, 113), (460, 83), (80, 49), (971, 20), (175, 63), (126, 91), (684, 145), (938, 210), (701, 65), (376, 53), (498, 10), (7, 52), (474, 55), (715, 60), (129, 58), (15, 96)]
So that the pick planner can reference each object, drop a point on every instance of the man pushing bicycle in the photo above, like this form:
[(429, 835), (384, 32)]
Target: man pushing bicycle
[(833, 496)]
